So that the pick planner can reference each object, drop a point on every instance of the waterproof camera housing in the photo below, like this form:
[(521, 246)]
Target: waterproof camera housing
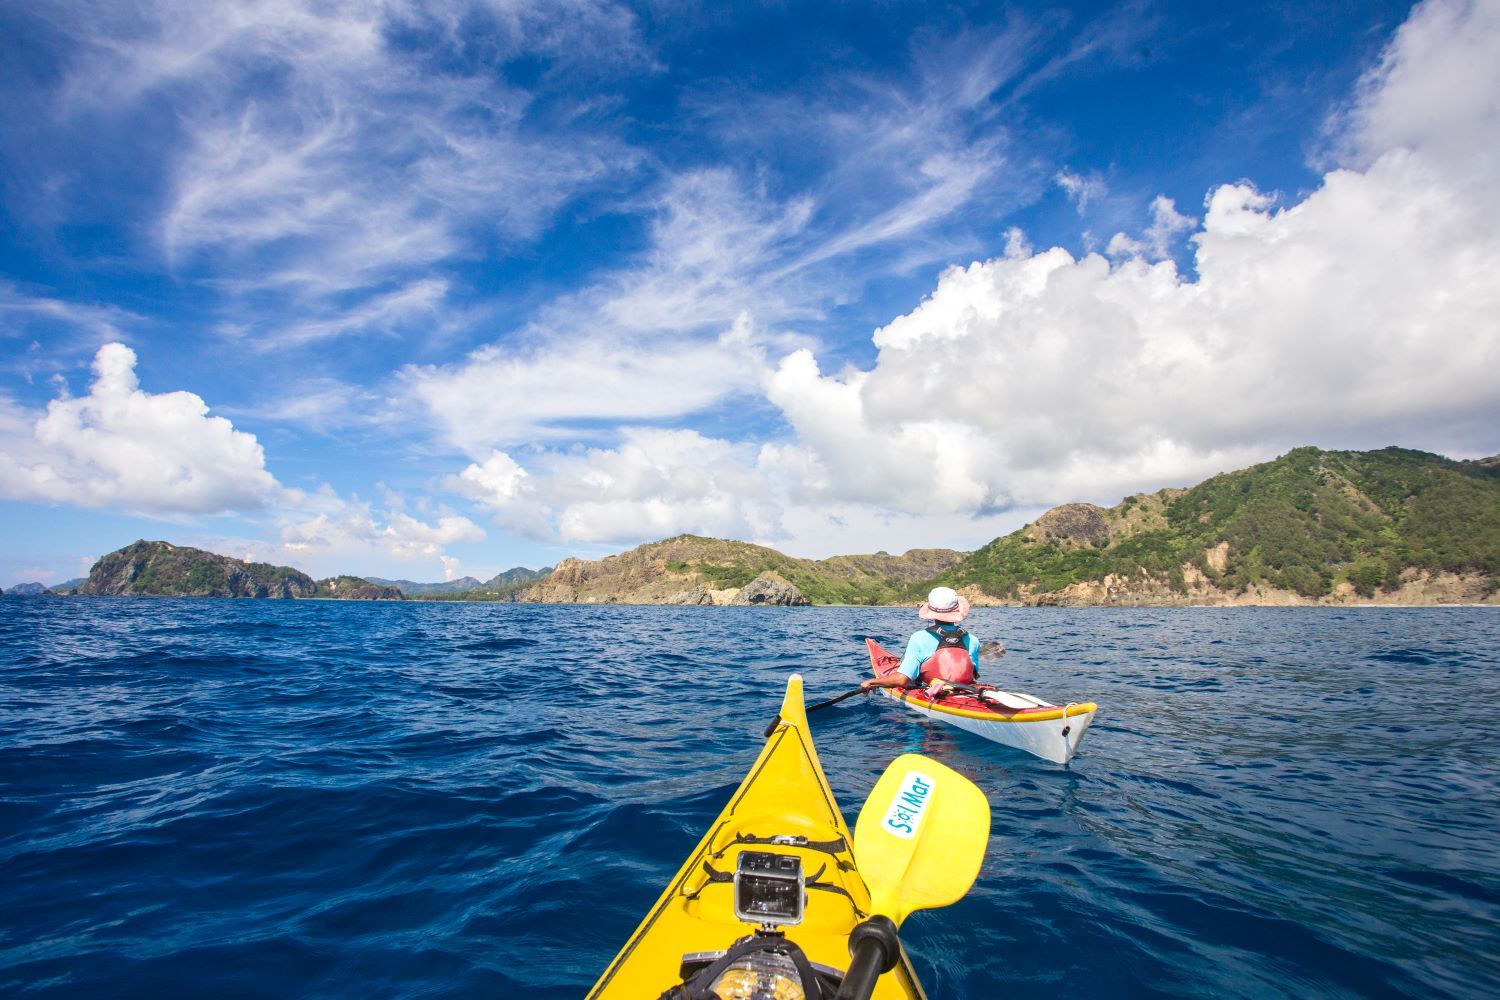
[(768, 888)]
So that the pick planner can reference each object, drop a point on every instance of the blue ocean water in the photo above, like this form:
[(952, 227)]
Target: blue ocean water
[(320, 799)]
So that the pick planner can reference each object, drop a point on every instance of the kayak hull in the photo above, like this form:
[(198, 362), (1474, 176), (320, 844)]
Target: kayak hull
[(784, 795), (1052, 732)]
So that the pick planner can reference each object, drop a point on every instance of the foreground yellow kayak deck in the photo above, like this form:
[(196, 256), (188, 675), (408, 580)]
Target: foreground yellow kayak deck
[(785, 796)]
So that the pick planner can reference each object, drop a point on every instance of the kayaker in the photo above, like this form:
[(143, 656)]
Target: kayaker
[(940, 654)]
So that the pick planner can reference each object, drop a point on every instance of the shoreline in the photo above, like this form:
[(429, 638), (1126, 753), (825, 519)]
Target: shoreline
[(1285, 605)]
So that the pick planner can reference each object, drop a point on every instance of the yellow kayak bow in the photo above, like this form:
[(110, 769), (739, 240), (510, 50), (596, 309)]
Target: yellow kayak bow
[(785, 796), (923, 831)]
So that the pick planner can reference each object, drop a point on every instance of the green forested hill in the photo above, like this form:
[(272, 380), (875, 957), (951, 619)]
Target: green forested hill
[(1305, 523), (160, 569)]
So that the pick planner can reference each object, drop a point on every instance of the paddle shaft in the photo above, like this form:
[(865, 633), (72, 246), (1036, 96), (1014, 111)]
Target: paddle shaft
[(873, 949), (835, 701)]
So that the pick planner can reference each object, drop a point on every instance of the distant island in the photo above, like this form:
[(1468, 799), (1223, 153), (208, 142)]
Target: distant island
[(1393, 526), (29, 590), (500, 587)]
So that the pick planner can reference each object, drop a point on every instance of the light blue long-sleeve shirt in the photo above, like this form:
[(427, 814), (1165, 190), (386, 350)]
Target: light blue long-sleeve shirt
[(921, 646)]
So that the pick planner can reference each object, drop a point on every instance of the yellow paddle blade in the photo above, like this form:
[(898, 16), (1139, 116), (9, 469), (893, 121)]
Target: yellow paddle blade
[(921, 837)]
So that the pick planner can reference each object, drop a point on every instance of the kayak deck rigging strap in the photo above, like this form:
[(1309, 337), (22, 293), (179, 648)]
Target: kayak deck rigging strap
[(716, 876), (833, 847)]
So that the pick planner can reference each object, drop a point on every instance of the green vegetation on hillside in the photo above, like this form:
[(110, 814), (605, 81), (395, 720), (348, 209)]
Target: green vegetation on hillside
[(675, 566), (163, 570), (1304, 522), (355, 588), (863, 580)]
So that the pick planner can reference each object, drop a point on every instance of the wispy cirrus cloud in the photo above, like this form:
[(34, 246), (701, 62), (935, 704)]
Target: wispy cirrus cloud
[(23, 311), (735, 258), (580, 390), (316, 155)]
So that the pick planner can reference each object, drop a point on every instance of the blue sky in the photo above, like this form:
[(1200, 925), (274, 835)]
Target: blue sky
[(426, 290)]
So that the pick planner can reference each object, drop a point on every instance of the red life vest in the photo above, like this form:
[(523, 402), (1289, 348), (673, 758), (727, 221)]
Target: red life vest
[(951, 662)]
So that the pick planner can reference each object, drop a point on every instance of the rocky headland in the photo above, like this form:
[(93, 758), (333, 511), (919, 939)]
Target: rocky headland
[(161, 569)]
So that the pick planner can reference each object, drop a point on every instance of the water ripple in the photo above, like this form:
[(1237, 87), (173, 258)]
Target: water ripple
[(256, 798)]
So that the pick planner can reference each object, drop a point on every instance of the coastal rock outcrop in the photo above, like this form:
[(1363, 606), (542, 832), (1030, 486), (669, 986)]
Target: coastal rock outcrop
[(160, 569), (694, 595), (768, 588), (1078, 523)]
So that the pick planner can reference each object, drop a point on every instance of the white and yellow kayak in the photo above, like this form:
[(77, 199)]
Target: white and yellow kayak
[(1052, 732)]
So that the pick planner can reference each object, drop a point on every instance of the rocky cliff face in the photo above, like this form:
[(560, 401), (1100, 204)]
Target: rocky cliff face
[(160, 569), (1416, 588)]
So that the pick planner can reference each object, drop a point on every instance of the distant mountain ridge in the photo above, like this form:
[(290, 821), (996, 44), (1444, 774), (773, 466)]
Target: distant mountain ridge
[(27, 590), (1390, 526), (500, 583), (412, 588)]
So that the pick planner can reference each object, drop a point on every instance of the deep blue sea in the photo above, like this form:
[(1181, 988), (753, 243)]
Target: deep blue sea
[(358, 800)]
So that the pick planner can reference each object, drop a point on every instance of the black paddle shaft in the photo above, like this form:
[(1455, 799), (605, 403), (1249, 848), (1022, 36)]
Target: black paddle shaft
[(835, 701), (813, 708), (874, 948)]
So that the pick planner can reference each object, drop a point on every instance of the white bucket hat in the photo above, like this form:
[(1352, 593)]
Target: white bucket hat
[(944, 604)]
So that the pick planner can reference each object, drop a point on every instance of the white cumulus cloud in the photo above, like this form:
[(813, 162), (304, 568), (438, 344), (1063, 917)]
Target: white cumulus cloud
[(1167, 226), (334, 533), (653, 484), (1366, 313), (121, 446)]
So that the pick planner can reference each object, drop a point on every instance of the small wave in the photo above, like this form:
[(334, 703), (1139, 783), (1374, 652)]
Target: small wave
[(263, 798)]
